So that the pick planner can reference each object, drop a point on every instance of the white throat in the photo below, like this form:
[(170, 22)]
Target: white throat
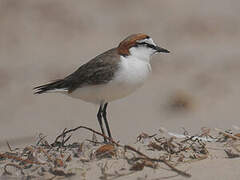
[(141, 53)]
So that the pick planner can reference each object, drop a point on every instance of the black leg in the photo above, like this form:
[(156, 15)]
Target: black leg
[(99, 116), (105, 119)]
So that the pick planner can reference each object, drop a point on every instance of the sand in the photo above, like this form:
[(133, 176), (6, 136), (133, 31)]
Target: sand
[(159, 156), (196, 85)]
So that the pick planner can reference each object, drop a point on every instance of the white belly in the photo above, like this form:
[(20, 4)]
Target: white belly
[(131, 75)]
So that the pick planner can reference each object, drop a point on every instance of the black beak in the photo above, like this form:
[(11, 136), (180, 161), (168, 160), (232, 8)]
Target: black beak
[(159, 49)]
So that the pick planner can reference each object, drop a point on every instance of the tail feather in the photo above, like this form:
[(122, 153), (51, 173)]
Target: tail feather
[(56, 85)]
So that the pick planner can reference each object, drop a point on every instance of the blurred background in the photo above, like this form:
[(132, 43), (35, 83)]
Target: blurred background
[(196, 85)]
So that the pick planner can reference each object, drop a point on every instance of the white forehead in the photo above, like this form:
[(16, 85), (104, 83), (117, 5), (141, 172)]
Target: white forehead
[(147, 40)]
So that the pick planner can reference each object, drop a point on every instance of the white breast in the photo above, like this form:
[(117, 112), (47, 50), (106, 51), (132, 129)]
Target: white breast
[(132, 72), (131, 75)]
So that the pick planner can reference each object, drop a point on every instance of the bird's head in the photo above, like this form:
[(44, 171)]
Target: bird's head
[(140, 46)]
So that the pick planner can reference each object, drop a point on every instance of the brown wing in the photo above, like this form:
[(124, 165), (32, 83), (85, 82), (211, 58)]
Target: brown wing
[(99, 70)]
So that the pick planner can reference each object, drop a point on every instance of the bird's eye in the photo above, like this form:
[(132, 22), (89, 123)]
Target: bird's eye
[(145, 44)]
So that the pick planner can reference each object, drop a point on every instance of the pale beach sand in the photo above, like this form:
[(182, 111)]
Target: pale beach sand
[(196, 85)]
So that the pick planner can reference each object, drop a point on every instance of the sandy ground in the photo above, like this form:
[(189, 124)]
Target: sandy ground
[(45, 40), (164, 155)]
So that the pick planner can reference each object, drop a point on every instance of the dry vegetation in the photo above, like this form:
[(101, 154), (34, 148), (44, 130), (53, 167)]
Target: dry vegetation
[(160, 152)]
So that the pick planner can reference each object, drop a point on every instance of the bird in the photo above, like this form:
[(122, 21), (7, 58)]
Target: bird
[(112, 75)]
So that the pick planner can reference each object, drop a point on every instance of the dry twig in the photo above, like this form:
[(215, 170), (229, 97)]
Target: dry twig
[(64, 133), (8, 156), (9, 147), (158, 160)]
